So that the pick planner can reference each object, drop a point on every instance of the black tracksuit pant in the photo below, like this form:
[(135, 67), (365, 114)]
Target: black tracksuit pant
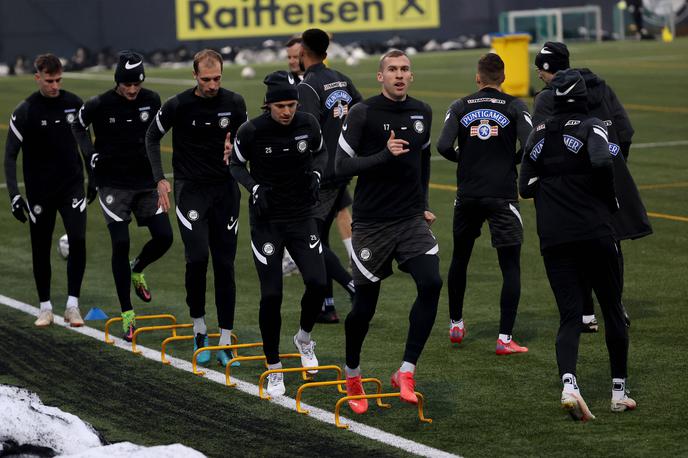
[(572, 268)]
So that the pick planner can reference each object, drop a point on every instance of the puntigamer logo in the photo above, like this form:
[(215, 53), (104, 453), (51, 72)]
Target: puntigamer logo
[(204, 19)]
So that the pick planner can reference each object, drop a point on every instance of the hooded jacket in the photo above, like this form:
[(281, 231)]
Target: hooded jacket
[(631, 221)]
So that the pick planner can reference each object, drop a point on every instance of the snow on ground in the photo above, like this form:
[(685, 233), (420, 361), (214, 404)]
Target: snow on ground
[(26, 421), (127, 450)]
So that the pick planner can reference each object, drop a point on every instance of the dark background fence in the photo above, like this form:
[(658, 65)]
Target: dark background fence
[(30, 27)]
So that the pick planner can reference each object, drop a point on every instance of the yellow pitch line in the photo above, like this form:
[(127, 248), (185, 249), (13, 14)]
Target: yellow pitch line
[(656, 108), (681, 184), (669, 217), (446, 187)]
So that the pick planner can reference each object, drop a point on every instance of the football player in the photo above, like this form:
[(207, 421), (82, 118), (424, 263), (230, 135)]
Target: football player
[(385, 140), (54, 180), (120, 118), (284, 150), (486, 125), (203, 119)]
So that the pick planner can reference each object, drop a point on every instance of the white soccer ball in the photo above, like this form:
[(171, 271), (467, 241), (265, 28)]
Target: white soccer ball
[(63, 246), (248, 73)]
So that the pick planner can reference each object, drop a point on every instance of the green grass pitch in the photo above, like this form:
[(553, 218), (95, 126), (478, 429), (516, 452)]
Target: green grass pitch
[(481, 404)]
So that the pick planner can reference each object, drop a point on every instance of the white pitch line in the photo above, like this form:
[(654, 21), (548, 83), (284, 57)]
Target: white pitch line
[(152, 79), (659, 144), (249, 388)]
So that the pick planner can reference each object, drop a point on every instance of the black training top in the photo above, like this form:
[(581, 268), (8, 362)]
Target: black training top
[(282, 158), (485, 125), (328, 95), (567, 168), (120, 127), (200, 126), (631, 221), (40, 126), (388, 187)]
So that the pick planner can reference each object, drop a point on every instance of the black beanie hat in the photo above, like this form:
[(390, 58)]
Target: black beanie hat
[(568, 86), (553, 56), (279, 87), (316, 40), (129, 68)]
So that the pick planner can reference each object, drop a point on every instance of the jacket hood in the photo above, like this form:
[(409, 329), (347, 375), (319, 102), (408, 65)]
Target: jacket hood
[(595, 86)]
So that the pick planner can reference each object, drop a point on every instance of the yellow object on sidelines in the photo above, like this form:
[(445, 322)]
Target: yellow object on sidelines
[(667, 36), (513, 49)]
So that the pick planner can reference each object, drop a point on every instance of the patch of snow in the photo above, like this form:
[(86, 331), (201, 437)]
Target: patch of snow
[(27, 422), (129, 450)]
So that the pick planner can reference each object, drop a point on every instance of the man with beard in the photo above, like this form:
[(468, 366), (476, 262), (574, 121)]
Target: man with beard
[(203, 119)]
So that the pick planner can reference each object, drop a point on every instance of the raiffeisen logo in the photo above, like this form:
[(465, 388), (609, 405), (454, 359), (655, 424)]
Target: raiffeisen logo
[(204, 19)]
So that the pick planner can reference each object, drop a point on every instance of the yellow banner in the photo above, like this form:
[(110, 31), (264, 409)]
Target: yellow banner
[(209, 19)]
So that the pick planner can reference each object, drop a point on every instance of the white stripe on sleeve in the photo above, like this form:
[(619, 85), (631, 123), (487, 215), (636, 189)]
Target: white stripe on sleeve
[(345, 146), (237, 151), (157, 121), (16, 131)]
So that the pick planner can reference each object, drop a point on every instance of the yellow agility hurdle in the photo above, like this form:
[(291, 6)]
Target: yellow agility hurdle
[(341, 401), (166, 327), (339, 384), (256, 358), (194, 363), (109, 323), (303, 371), (235, 340)]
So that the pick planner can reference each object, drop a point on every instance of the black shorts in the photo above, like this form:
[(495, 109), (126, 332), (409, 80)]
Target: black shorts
[(375, 244), (502, 215), (269, 239), (199, 204), (119, 204), (72, 200), (332, 200)]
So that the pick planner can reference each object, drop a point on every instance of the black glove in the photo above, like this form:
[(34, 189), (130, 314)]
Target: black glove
[(259, 199), (18, 208), (91, 190), (314, 186)]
